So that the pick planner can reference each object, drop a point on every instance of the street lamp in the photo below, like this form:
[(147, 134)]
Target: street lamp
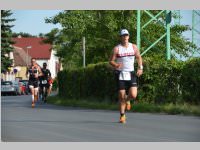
[(28, 47)]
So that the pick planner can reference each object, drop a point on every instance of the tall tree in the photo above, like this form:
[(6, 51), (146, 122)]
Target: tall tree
[(6, 39), (101, 28)]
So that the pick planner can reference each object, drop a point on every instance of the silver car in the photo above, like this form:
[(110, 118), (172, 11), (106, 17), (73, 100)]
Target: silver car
[(9, 87)]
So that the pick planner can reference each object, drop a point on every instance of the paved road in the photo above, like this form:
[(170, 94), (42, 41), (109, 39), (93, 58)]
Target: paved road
[(49, 123)]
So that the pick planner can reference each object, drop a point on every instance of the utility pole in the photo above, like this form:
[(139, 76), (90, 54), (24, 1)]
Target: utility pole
[(83, 52), (154, 18), (168, 21), (138, 29), (195, 29)]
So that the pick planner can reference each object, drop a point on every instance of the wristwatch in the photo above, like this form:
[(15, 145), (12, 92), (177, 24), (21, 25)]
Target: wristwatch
[(140, 67)]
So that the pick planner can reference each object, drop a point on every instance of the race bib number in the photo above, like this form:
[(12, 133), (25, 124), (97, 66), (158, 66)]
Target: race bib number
[(125, 76), (44, 81)]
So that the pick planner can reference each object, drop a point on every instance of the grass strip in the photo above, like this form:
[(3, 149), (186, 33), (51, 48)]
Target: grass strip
[(183, 109)]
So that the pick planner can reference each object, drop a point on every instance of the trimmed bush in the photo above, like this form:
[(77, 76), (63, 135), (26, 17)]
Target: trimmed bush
[(190, 81), (95, 81), (162, 82)]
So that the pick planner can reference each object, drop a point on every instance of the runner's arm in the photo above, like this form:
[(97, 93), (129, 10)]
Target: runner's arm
[(113, 58), (40, 71), (139, 61), (27, 74), (49, 73), (138, 57)]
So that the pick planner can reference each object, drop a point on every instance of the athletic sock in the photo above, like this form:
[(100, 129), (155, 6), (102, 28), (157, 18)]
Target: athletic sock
[(32, 98), (122, 115)]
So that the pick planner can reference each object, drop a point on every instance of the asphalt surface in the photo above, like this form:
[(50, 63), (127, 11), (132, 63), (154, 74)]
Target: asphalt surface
[(49, 123)]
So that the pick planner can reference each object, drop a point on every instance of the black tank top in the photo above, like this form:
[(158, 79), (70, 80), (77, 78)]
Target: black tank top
[(32, 72), (46, 73)]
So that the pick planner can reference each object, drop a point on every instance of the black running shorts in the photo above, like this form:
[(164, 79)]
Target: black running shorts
[(123, 85), (44, 83), (33, 82)]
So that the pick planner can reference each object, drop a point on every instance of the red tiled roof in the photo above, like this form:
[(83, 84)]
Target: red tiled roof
[(38, 50)]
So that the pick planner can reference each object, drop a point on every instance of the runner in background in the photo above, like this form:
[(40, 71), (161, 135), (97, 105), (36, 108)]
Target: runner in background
[(44, 82), (33, 72)]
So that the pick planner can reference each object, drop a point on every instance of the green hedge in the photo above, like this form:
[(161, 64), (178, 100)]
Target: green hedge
[(95, 81), (190, 81), (162, 82)]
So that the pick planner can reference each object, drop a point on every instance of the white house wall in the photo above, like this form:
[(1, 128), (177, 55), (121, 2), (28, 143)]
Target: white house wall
[(52, 64)]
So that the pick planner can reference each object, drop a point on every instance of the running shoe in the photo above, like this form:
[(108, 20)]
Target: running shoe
[(122, 119), (33, 105)]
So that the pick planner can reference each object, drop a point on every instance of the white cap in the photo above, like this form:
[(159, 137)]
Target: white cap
[(123, 32)]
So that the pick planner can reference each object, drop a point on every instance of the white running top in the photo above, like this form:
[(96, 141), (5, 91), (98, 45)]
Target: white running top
[(126, 56)]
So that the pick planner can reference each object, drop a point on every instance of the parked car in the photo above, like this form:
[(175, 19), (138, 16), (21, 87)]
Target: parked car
[(16, 84), (7, 87)]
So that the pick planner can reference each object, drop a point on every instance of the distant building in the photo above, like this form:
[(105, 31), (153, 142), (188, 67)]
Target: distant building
[(26, 48)]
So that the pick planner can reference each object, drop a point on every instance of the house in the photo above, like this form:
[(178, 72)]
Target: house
[(26, 48)]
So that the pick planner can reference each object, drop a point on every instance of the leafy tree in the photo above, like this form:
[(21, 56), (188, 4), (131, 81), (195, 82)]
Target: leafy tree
[(101, 28), (6, 39), (51, 37)]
